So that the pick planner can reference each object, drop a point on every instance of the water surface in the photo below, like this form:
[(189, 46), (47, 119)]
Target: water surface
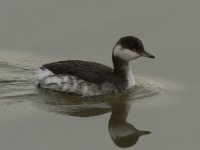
[(164, 105), (19, 90)]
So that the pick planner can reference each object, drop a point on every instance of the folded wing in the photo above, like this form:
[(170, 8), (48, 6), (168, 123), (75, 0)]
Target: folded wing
[(86, 70)]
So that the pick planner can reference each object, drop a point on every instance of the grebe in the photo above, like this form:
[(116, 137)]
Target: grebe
[(86, 78)]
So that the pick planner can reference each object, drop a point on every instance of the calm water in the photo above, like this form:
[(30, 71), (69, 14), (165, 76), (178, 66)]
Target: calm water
[(161, 112)]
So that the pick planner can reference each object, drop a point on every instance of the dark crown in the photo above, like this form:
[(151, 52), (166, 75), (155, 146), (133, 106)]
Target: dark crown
[(131, 42)]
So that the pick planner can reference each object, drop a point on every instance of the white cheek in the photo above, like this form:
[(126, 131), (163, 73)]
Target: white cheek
[(125, 54), (130, 55)]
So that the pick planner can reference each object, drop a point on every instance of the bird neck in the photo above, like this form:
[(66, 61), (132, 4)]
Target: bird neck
[(123, 70)]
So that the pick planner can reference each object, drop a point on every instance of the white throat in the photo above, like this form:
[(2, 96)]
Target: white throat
[(130, 78), (127, 55)]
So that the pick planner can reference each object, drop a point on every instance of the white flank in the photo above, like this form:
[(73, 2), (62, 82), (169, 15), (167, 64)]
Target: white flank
[(74, 86), (85, 90), (64, 83), (53, 79), (43, 73), (65, 78), (66, 87)]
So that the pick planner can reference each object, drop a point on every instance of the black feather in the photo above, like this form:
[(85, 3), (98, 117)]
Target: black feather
[(86, 70)]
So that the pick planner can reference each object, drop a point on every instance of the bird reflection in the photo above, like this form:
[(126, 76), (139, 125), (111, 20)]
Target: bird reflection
[(123, 133)]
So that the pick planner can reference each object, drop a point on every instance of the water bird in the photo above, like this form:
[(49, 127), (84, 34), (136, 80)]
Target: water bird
[(86, 78)]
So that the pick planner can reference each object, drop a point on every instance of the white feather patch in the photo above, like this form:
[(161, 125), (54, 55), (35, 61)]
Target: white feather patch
[(53, 79), (125, 54), (85, 90), (131, 80), (65, 79), (43, 73)]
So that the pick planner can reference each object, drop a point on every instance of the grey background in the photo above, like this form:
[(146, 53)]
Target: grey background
[(88, 29)]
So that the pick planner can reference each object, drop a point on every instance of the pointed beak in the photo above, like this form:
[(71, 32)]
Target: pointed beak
[(144, 132), (145, 54)]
